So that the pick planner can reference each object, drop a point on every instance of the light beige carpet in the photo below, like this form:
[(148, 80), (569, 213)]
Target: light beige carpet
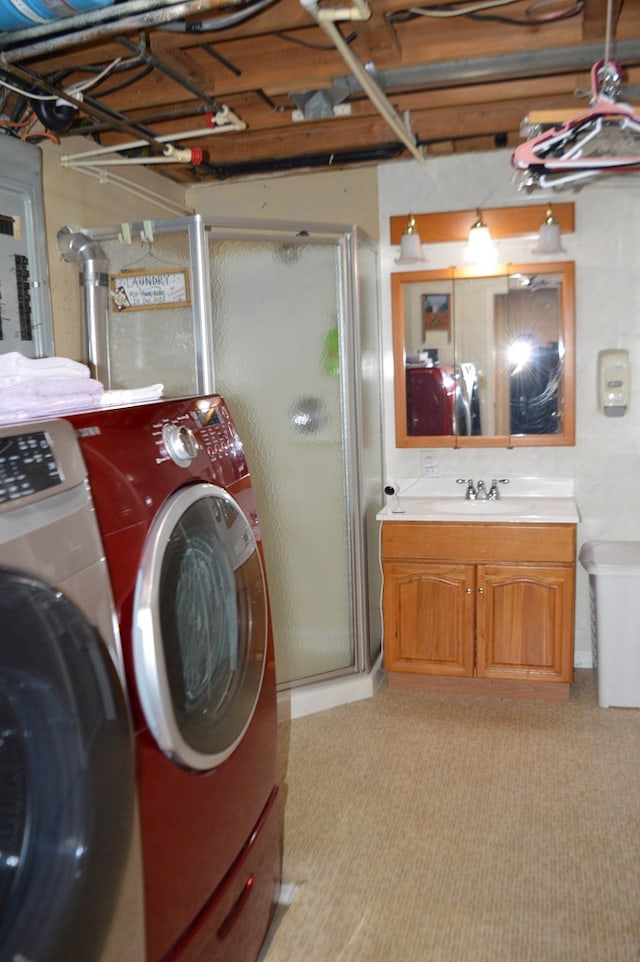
[(441, 828)]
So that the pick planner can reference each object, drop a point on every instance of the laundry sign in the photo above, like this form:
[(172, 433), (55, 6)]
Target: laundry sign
[(141, 290)]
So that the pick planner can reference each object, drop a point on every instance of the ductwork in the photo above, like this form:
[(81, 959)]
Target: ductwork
[(80, 249)]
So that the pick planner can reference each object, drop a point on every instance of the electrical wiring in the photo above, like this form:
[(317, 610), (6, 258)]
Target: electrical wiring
[(317, 46), (567, 13), (27, 93), (116, 88), (474, 12), (73, 90), (15, 124), (23, 129), (446, 12), (123, 67), (87, 84), (37, 135)]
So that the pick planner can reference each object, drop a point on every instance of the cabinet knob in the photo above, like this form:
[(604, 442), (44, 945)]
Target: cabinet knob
[(468, 591), (481, 591)]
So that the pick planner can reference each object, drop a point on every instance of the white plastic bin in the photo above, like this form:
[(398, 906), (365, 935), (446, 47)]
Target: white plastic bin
[(614, 578)]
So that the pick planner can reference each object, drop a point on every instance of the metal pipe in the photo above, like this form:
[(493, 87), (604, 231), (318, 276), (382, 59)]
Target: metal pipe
[(143, 53), (219, 23), (97, 27), (91, 109), (94, 280), (459, 73)]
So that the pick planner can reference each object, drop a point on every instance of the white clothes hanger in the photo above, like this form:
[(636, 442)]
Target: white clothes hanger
[(604, 137)]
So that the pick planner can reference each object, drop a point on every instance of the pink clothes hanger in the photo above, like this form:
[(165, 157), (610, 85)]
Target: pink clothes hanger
[(602, 139)]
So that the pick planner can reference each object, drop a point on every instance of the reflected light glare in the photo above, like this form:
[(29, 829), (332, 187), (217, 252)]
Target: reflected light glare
[(519, 354)]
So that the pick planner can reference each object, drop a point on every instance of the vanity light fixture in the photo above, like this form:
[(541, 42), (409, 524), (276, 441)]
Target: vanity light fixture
[(410, 244), (549, 235), (481, 247)]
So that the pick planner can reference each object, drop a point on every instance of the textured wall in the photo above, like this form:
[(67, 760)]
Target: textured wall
[(605, 461)]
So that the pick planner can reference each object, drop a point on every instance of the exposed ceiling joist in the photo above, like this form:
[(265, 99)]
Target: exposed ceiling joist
[(456, 83)]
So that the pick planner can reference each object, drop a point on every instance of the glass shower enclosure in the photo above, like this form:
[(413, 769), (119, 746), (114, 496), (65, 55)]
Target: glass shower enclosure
[(283, 321)]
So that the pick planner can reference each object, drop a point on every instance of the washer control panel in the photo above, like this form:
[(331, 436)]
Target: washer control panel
[(181, 444), (204, 427)]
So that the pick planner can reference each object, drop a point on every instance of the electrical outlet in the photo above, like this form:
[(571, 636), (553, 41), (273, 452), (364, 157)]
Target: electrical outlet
[(429, 465)]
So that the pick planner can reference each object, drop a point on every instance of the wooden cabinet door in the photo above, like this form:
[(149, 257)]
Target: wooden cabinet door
[(525, 622), (429, 616)]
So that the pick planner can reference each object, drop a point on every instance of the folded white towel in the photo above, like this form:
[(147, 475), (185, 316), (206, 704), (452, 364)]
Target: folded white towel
[(26, 409), (51, 387), (46, 397), (31, 413), (15, 364), (132, 395)]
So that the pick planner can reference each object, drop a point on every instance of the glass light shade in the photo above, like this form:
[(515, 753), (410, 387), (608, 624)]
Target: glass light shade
[(481, 248), (549, 239), (410, 244)]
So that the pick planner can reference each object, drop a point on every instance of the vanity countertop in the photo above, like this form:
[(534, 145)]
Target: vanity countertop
[(529, 500)]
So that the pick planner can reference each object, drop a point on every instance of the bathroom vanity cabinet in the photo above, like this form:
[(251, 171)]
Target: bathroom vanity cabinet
[(479, 607)]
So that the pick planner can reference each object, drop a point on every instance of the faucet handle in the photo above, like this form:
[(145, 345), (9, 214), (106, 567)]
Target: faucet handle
[(470, 493), (494, 490)]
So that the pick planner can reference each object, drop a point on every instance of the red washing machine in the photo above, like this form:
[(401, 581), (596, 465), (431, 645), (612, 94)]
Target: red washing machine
[(176, 509)]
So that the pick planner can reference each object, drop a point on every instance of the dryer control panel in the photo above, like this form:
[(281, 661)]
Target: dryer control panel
[(27, 465)]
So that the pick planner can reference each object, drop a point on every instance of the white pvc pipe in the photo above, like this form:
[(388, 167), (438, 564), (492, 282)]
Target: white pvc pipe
[(72, 160), (131, 161), (107, 177), (364, 78)]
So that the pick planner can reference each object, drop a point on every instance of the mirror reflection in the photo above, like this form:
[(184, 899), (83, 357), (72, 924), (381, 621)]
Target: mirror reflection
[(483, 359)]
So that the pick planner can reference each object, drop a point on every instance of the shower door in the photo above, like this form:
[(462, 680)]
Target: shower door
[(283, 321), (296, 356)]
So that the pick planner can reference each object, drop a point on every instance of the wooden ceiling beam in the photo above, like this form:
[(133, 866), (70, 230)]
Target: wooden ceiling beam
[(594, 18), (255, 66)]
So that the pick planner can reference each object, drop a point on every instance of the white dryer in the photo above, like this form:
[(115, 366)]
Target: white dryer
[(70, 871)]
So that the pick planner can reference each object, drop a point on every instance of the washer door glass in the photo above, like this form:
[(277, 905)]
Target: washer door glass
[(200, 626), (66, 778)]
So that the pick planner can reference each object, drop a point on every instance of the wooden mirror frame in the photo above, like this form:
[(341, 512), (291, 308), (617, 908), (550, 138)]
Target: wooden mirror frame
[(566, 437)]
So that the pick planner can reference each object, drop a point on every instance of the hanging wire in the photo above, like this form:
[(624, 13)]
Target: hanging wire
[(607, 41)]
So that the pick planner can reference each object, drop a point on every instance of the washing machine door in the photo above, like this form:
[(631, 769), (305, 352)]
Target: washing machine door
[(200, 626), (67, 778)]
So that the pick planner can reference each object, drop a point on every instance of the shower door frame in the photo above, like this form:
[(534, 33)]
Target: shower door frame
[(349, 239)]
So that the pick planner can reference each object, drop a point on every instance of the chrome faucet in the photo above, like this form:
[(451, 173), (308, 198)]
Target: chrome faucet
[(494, 490), (470, 494), (478, 492)]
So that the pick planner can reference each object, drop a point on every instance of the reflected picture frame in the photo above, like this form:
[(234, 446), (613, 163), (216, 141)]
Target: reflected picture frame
[(436, 314)]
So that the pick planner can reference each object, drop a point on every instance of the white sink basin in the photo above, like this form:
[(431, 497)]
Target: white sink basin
[(525, 509), (514, 507)]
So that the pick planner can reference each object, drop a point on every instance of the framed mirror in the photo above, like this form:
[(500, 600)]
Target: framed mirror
[(484, 359)]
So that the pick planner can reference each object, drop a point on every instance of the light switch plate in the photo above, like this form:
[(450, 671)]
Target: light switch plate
[(429, 465)]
